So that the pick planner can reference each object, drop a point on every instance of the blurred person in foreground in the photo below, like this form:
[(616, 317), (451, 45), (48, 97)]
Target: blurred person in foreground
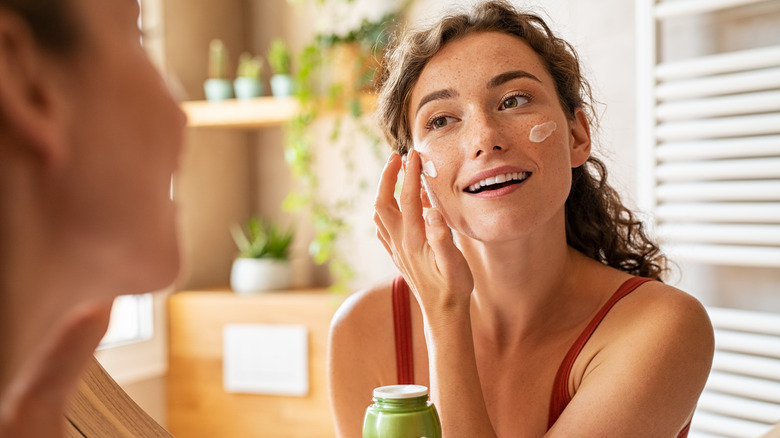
[(89, 139)]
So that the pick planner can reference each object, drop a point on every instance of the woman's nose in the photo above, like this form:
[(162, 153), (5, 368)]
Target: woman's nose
[(485, 136)]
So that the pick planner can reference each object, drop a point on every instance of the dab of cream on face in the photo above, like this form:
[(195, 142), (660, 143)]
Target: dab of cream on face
[(429, 169), (540, 133)]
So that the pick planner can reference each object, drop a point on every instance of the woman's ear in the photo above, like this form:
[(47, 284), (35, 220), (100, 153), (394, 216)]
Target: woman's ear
[(31, 104), (579, 138)]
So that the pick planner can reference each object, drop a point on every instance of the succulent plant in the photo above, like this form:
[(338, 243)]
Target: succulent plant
[(249, 66), (259, 239)]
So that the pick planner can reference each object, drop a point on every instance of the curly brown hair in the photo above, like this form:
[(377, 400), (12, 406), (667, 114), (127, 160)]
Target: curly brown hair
[(598, 224)]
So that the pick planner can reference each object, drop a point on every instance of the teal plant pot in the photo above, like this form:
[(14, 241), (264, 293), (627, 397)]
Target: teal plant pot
[(282, 85), (247, 88), (218, 89)]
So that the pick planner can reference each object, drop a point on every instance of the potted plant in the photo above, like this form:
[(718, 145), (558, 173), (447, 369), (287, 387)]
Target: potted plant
[(263, 260), (247, 84), (279, 59), (217, 86)]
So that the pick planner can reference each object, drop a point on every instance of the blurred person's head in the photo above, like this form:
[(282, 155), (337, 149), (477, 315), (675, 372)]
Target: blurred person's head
[(89, 139)]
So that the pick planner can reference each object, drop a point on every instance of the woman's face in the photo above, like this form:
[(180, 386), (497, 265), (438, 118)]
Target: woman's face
[(124, 133), (485, 111)]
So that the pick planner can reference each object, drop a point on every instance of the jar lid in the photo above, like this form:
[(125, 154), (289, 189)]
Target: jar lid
[(400, 391)]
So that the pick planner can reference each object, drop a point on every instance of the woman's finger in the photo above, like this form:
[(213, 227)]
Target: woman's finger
[(449, 259), (384, 242), (411, 204), (382, 233), (387, 211)]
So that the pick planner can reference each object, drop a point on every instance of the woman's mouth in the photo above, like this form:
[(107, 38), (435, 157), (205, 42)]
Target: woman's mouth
[(498, 181)]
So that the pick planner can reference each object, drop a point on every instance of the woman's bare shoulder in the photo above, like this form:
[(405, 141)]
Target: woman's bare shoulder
[(364, 307), (363, 324), (648, 359), (660, 310), (667, 305)]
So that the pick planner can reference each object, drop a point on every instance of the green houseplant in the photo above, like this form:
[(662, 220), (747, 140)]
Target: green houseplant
[(325, 83), (247, 84), (263, 260), (279, 58), (217, 87)]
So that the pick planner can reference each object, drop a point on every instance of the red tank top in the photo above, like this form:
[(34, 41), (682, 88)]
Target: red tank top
[(560, 395)]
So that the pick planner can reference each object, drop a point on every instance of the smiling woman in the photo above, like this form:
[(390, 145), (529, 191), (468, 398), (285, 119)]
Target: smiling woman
[(536, 301), (85, 214)]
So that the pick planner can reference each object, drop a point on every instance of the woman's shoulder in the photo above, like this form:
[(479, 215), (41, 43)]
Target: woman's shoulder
[(663, 302), (363, 306), (660, 314), (364, 312)]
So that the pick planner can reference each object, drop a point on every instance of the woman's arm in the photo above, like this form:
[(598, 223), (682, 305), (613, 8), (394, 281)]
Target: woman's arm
[(360, 347), (441, 280)]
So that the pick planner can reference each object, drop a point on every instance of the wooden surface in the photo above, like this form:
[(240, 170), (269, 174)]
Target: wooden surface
[(259, 112), (198, 406), (101, 409), (233, 113)]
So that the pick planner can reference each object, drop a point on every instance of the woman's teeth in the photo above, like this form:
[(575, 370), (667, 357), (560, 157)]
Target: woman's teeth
[(487, 183)]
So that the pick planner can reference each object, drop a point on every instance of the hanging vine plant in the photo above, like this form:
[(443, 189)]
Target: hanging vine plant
[(319, 89)]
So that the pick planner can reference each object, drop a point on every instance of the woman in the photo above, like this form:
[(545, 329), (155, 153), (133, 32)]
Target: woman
[(537, 305), (89, 138)]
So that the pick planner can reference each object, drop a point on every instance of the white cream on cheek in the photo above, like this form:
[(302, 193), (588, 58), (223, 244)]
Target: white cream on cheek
[(429, 169), (540, 133)]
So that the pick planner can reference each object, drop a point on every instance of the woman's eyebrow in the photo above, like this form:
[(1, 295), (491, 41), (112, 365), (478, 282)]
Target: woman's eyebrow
[(436, 95), (508, 76)]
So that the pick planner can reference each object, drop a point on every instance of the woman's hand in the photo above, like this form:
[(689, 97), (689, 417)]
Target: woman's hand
[(423, 250)]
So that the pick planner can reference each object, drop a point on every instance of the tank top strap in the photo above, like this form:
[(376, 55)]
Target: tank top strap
[(560, 394), (402, 324)]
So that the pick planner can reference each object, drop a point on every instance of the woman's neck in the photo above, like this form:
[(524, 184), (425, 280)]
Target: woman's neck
[(521, 285)]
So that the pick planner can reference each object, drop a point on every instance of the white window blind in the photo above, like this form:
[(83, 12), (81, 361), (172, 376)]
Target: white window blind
[(709, 140), (742, 395)]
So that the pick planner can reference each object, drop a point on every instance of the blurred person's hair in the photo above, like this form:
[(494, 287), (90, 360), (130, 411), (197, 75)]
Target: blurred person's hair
[(52, 22)]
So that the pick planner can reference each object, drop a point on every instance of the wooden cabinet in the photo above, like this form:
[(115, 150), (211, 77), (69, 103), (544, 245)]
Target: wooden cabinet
[(198, 406)]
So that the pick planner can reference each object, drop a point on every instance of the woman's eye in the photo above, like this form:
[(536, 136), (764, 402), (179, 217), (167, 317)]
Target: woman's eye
[(513, 102), (438, 123)]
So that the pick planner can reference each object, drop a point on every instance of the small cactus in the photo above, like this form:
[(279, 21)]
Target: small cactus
[(279, 57), (217, 59)]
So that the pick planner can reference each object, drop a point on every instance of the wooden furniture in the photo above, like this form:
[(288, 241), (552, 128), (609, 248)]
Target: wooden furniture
[(100, 408), (198, 406)]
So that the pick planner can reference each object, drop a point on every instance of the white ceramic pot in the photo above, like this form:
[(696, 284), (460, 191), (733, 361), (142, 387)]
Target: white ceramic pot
[(249, 276)]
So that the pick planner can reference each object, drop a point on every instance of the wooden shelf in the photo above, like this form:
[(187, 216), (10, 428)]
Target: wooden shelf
[(233, 113), (258, 113)]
